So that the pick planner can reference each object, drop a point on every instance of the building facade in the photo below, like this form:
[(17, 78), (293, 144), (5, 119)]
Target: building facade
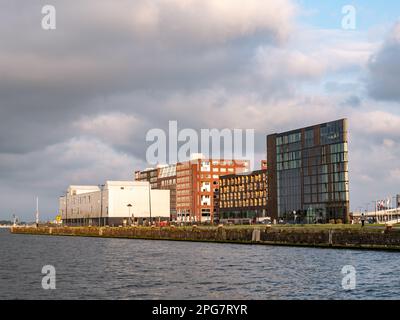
[(243, 197), (114, 203), (308, 177), (197, 185), (164, 178)]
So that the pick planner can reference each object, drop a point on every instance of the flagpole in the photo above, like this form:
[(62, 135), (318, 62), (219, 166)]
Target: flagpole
[(37, 212)]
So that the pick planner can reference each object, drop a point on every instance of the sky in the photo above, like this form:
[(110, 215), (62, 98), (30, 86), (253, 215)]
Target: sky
[(76, 102)]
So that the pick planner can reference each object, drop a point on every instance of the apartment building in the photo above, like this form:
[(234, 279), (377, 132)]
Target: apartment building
[(197, 184), (243, 197)]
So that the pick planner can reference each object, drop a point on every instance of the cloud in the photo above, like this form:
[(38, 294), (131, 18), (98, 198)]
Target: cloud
[(378, 123), (76, 103), (101, 49), (48, 172), (113, 128), (384, 69)]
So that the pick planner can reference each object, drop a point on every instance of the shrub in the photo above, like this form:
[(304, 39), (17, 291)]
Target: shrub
[(331, 221), (339, 221)]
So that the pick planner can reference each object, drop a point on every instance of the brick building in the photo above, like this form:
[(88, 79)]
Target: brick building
[(197, 182)]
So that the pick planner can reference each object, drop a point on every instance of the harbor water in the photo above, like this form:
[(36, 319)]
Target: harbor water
[(101, 268)]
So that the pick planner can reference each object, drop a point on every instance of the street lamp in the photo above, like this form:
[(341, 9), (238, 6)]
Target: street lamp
[(150, 201), (101, 186), (129, 208), (66, 207)]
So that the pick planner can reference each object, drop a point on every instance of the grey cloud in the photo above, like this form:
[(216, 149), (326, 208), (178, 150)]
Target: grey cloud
[(76, 103), (353, 101), (107, 60), (384, 69), (103, 49)]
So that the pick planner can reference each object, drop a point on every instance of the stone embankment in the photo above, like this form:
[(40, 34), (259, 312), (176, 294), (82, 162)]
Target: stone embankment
[(351, 238)]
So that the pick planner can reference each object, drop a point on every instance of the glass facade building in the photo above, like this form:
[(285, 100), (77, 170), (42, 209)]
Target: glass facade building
[(308, 174)]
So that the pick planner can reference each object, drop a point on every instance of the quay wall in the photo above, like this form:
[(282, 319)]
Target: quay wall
[(296, 236)]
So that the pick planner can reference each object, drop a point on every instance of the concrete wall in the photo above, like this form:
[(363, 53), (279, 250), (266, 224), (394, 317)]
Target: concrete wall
[(160, 203)]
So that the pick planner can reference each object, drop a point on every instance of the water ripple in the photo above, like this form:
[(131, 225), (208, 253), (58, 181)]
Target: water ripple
[(97, 268)]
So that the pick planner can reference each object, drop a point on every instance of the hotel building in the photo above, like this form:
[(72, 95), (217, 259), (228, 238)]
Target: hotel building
[(243, 197), (308, 177)]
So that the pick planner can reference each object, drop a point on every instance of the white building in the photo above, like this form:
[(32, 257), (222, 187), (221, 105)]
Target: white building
[(115, 203)]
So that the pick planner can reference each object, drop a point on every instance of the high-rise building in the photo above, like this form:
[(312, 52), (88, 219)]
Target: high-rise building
[(308, 177), (164, 178), (197, 182), (243, 197)]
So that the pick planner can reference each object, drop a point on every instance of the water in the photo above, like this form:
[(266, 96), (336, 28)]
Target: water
[(99, 268)]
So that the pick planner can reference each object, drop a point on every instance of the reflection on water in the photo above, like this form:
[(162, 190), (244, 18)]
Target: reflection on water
[(96, 268)]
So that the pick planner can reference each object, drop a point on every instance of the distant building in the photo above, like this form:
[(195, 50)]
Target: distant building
[(243, 197), (308, 177), (197, 182), (115, 203), (398, 201), (164, 178)]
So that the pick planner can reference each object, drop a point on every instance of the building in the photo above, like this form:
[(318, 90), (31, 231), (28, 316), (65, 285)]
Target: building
[(164, 178), (115, 203), (243, 197), (149, 175), (308, 173), (398, 201), (197, 184)]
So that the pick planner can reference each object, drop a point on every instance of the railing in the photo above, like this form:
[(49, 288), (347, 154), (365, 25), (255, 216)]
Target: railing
[(387, 216)]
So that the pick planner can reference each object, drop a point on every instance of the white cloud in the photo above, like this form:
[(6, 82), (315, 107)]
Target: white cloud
[(113, 128), (377, 122), (208, 21)]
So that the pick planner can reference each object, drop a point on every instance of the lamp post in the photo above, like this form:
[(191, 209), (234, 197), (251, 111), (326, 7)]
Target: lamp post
[(150, 201), (101, 186), (129, 210), (66, 207)]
